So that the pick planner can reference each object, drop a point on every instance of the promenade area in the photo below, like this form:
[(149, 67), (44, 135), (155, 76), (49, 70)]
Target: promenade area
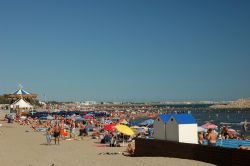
[(24, 147)]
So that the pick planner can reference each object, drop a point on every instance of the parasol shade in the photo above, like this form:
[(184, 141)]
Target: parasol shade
[(124, 130)]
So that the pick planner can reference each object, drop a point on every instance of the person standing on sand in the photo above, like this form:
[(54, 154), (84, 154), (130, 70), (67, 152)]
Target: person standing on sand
[(57, 133), (73, 131), (211, 137), (49, 135)]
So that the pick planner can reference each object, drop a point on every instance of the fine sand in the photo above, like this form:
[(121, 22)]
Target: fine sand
[(22, 148)]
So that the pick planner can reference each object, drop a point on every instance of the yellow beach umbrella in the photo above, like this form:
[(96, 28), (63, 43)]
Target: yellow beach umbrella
[(124, 130)]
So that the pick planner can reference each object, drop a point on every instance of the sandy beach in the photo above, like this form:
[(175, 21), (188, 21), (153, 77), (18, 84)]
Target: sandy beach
[(21, 146)]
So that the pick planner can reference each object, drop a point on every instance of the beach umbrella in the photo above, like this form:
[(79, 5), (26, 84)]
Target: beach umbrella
[(87, 116), (109, 127), (209, 126), (124, 130), (147, 122)]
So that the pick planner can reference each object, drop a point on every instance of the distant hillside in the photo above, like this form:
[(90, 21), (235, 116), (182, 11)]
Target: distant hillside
[(241, 103)]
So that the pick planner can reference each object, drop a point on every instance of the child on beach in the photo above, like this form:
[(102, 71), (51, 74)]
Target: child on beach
[(129, 150)]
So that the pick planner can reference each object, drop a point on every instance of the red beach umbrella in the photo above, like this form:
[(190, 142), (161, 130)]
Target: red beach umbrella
[(87, 117), (109, 127)]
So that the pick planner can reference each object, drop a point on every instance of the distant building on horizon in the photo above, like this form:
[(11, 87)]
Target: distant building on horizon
[(89, 103)]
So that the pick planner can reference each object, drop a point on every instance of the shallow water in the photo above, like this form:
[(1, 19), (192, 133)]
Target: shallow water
[(231, 143)]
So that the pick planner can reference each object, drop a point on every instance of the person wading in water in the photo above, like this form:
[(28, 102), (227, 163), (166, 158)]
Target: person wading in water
[(211, 137)]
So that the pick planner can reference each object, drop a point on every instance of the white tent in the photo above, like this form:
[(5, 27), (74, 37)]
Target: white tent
[(21, 104)]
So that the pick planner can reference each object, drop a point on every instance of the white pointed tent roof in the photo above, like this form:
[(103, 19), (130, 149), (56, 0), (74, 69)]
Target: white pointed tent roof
[(21, 92), (21, 103)]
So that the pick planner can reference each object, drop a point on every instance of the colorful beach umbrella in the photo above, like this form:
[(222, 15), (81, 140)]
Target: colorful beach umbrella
[(87, 117), (124, 130), (109, 127), (209, 126)]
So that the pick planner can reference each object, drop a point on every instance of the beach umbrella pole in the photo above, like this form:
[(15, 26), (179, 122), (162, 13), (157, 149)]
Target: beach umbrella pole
[(123, 141)]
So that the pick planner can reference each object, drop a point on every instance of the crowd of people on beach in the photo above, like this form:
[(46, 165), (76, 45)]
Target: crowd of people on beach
[(60, 128)]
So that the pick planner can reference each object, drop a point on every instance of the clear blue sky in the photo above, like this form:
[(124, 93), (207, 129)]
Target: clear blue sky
[(130, 50)]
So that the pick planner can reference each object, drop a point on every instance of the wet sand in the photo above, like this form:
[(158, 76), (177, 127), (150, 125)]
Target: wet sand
[(18, 147)]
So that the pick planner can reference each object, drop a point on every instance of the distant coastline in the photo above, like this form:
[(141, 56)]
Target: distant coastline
[(241, 103)]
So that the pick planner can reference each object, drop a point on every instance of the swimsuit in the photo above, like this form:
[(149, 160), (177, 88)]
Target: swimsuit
[(56, 134)]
